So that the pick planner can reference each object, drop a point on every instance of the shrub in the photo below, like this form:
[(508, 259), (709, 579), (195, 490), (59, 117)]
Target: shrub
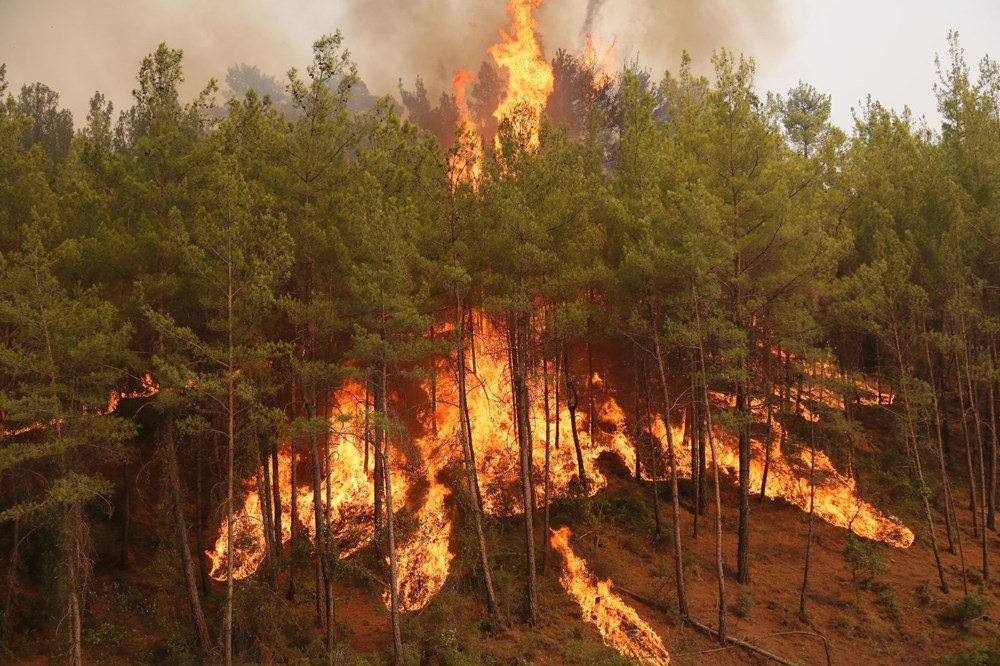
[(962, 612), (744, 603), (865, 560)]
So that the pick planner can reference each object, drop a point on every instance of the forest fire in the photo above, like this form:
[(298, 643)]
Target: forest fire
[(530, 79), (836, 500), (620, 626), (598, 58), (465, 164), (420, 478), (424, 557)]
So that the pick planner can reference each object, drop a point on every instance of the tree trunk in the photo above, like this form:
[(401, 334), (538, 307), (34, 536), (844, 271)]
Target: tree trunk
[(672, 452), (812, 520), (743, 542), (230, 470), (199, 524), (638, 415), (73, 529), (518, 341), (264, 495), (276, 497), (654, 470), (970, 467), (382, 442), (942, 467), (720, 572), (912, 436), (177, 498), (325, 602), (992, 480), (294, 521), (465, 435), (571, 405), (979, 452)]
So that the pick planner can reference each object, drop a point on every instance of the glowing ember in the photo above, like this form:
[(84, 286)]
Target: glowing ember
[(620, 626), (530, 78)]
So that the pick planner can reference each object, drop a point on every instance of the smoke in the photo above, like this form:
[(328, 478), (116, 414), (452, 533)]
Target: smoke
[(593, 9), (80, 47)]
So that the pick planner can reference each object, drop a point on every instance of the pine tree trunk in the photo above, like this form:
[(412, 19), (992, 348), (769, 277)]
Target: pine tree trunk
[(992, 480), (720, 571), (672, 453), (276, 497), (382, 441), (654, 470), (465, 435), (979, 453), (743, 530), (967, 438), (230, 468), (199, 524), (942, 467), (293, 537), (571, 404), (180, 523), (325, 609), (812, 520), (914, 442), (264, 495), (517, 326), (73, 529)]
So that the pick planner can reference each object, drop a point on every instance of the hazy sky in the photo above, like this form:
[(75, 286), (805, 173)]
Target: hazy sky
[(847, 48)]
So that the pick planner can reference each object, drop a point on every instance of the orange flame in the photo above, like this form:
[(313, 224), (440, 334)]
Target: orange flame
[(466, 162), (530, 78), (620, 626), (424, 558), (836, 498), (597, 58)]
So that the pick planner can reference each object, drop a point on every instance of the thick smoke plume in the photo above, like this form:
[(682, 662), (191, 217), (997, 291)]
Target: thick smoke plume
[(77, 48)]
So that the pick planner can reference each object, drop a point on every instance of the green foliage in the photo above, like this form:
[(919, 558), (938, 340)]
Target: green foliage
[(865, 560), (978, 654), (964, 611), (744, 603)]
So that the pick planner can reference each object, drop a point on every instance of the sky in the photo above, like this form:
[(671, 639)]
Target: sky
[(845, 48)]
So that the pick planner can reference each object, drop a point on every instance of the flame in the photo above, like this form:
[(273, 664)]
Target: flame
[(619, 624), (836, 499), (352, 495), (466, 163), (424, 556), (147, 388), (530, 78), (597, 58), (424, 561)]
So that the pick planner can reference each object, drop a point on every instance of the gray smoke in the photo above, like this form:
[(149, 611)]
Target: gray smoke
[(79, 47), (593, 9)]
